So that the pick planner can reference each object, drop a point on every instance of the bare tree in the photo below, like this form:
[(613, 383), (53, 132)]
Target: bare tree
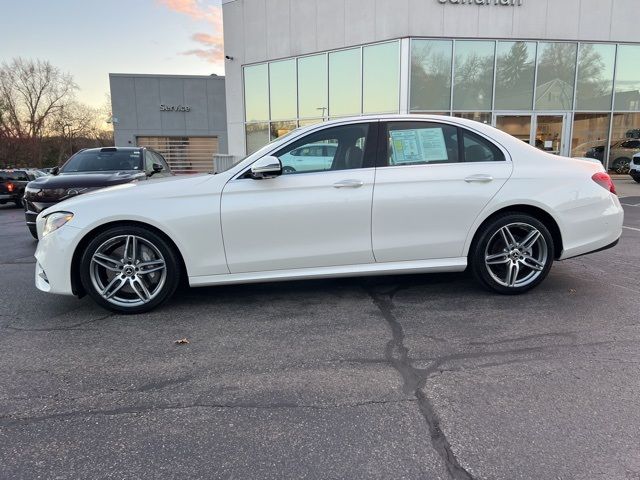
[(32, 92)]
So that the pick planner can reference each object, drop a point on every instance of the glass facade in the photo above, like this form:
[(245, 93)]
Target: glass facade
[(569, 98), (515, 75), (473, 79)]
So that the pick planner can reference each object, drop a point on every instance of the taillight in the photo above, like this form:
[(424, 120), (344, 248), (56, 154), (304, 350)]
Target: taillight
[(10, 187), (604, 180)]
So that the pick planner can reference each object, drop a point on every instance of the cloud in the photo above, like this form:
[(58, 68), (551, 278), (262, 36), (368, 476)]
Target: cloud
[(211, 45)]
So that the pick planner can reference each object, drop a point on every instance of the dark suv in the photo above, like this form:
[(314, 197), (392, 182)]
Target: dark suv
[(13, 183), (90, 170)]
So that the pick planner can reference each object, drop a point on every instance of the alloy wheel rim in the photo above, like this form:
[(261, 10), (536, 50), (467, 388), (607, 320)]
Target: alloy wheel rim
[(128, 271), (516, 255)]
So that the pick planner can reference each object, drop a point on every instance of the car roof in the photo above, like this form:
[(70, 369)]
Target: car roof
[(111, 149)]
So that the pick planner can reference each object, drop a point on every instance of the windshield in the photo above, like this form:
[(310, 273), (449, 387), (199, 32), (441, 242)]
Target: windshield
[(100, 161)]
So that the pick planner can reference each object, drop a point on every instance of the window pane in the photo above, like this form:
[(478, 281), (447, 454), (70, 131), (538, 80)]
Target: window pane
[(310, 121), (628, 78), (473, 85), (282, 84), (556, 76), (312, 86), (421, 143), (279, 129), (381, 82), (482, 117), (430, 75), (338, 148), (256, 92), (345, 93), (518, 126), (515, 75), (595, 76), (590, 132), (626, 129), (478, 149), (257, 136)]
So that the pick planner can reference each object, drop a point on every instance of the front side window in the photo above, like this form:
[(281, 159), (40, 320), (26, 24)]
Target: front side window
[(421, 143), (337, 148)]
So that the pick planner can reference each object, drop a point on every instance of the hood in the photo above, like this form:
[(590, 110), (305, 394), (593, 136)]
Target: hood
[(123, 195), (86, 179)]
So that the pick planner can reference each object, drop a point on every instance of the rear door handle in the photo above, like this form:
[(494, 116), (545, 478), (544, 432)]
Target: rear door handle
[(480, 178), (348, 184)]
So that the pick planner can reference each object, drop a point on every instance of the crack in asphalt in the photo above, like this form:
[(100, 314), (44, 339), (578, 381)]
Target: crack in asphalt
[(397, 355), (75, 326), (9, 421)]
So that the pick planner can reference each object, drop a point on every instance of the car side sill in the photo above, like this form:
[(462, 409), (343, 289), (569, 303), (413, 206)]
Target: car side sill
[(391, 268)]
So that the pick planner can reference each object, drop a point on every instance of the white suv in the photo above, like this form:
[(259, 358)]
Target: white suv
[(634, 167)]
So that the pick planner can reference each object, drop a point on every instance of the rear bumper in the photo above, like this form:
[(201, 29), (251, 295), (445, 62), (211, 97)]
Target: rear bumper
[(6, 197), (592, 228)]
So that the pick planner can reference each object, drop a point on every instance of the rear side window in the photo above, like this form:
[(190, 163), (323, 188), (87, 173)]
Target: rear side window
[(478, 149), (421, 143)]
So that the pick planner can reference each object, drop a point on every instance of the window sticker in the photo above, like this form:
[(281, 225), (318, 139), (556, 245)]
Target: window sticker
[(420, 145)]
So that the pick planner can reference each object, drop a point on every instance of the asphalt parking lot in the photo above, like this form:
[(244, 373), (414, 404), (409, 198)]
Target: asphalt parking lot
[(402, 377)]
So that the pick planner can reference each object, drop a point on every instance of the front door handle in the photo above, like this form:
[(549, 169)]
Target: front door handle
[(348, 184), (480, 178)]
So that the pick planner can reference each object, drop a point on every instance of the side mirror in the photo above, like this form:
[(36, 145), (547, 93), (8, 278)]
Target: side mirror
[(55, 170), (157, 168), (266, 167)]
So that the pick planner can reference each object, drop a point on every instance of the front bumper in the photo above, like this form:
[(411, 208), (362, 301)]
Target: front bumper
[(54, 257)]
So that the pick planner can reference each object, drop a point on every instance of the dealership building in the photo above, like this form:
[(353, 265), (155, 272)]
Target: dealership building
[(181, 116), (563, 75)]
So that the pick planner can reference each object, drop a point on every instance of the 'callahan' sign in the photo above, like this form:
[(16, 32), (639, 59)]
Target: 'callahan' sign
[(505, 3)]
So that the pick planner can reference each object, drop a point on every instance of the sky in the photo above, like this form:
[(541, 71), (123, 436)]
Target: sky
[(91, 38)]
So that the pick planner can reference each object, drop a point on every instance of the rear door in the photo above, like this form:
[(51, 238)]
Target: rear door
[(434, 181)]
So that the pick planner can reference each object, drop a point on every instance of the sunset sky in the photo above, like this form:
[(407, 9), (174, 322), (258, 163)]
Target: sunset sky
[(90, 39)]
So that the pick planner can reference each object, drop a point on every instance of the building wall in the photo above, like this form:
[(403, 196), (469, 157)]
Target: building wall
[(136, 104), (259, 30)]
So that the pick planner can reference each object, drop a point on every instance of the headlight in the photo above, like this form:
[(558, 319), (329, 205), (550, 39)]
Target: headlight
[(31, 190), (54, 221)]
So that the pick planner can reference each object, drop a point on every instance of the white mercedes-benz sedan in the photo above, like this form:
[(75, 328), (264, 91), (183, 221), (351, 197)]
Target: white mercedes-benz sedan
[(401, 194)]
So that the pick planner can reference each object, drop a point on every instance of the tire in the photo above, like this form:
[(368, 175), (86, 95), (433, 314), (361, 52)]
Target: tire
[(129, 287), (288, 169), (19, 202), (621, 165), (637, 179), (530, 262), (34, 231)]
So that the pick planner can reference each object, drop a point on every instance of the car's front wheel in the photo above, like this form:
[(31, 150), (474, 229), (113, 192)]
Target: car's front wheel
[(512, 254), (129, 269)]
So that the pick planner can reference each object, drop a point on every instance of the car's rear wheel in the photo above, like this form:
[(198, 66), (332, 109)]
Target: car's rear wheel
[(19, 202), (512, 254), (129, 269)]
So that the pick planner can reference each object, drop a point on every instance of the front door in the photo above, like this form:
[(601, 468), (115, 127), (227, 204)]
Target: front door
[(436, 180), (316, 214)]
